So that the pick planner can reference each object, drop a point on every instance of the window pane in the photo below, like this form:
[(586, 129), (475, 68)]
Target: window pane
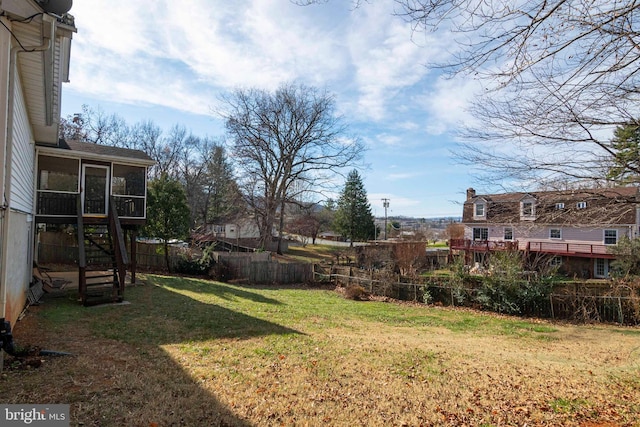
[(610, 237), (480, 234), (128, 180), (480, 210), (555, 233), (508, 234), (57, 174)]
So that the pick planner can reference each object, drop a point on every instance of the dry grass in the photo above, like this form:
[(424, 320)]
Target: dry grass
[(195, 353)]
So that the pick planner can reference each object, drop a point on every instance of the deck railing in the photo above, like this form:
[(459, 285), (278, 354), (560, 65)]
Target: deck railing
[(53, 203), (58, 204), (556, 248), (483, 245)]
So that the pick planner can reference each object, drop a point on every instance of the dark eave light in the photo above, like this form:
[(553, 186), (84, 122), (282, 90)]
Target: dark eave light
[(57, 7)]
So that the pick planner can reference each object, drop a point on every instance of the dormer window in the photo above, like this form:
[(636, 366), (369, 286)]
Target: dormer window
[(559, 206), (528, 210), (581, 205), (479, 210)]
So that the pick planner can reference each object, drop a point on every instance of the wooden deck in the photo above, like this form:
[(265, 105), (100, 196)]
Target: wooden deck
[(584, 250)]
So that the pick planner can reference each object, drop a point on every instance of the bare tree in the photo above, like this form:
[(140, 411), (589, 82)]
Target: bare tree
[(557, 77), (96, 126), (285, 141)]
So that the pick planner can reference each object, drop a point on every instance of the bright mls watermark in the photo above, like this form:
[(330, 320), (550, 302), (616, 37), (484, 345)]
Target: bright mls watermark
[(34, 415)]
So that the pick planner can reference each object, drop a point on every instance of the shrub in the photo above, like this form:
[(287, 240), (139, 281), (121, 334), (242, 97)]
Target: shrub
[(356, 293), (193, 263)]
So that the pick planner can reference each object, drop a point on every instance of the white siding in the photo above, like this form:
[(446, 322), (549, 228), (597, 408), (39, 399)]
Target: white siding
[(18, 269), (23, 157), (524, 233)]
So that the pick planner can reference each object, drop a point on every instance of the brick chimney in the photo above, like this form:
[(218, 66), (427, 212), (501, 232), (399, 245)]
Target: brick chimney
[(471, 193)]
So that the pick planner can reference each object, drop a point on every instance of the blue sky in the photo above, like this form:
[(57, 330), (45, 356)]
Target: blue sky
[(170, 61)]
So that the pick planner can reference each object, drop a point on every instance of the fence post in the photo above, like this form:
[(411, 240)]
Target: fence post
[(620, 310), (551, 303), (371, 281)]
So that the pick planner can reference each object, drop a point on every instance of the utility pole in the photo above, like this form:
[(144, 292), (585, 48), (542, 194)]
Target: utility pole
[(385, 203)]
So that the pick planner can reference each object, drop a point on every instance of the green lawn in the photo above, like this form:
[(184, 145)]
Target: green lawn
[(195, 352)]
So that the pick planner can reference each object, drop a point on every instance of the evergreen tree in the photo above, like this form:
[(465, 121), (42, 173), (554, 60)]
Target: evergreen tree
[(625, 145), (167, 212), (353, 218)]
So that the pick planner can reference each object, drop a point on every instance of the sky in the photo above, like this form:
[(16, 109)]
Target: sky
[(170, 62)]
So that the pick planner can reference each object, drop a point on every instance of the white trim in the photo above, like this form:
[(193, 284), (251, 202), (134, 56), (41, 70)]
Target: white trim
[(532, 215), (604, 236), (555, 238), (504, 232), (605, 268), (70, 154)]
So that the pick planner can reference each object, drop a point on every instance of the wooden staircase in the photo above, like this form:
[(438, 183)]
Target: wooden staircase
[(102, 260)]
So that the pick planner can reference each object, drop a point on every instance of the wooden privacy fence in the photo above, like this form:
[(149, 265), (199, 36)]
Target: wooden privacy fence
[(577, 301), (149, 255), (256, 267), (260, 268)]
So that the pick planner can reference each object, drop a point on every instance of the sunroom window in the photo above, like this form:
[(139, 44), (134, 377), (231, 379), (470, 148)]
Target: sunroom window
[(128, 180), (57, 174), (128, 189)]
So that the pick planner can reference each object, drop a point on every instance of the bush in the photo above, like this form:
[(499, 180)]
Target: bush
[(506, 288), (356, 293), (193, 263)]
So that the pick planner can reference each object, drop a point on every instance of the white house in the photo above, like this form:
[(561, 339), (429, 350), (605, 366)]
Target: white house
[(35, 42)]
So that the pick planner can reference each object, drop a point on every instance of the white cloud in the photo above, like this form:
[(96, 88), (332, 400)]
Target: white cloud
[(403, 175), (447, 104), (384, 58), (388, 139), (396, 203)]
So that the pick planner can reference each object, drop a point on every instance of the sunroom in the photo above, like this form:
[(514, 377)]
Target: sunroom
[(101, 192), (83, 178)]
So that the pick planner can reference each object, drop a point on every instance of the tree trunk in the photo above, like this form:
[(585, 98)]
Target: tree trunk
[(166, 255), (279, 250)]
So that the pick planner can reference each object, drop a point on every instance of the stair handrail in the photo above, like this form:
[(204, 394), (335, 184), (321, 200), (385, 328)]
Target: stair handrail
[(119, 247), (82, 256)]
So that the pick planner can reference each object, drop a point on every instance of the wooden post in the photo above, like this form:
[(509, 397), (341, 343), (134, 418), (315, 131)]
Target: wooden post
[(134, 254), (620, 310)]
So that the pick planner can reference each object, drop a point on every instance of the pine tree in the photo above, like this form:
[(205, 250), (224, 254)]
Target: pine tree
[(625, 145), (353, 218)]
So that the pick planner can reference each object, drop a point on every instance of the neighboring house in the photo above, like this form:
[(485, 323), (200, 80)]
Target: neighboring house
[(570, 229), (240, 229), (44, 180)]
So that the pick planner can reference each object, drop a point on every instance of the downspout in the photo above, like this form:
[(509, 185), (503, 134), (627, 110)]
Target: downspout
[(6, 196)]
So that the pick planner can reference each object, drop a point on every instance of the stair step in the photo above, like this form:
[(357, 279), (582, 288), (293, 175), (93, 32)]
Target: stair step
[(97, 276)]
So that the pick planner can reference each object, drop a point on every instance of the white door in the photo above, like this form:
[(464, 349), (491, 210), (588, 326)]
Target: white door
[(95, 189), (601, 270)]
